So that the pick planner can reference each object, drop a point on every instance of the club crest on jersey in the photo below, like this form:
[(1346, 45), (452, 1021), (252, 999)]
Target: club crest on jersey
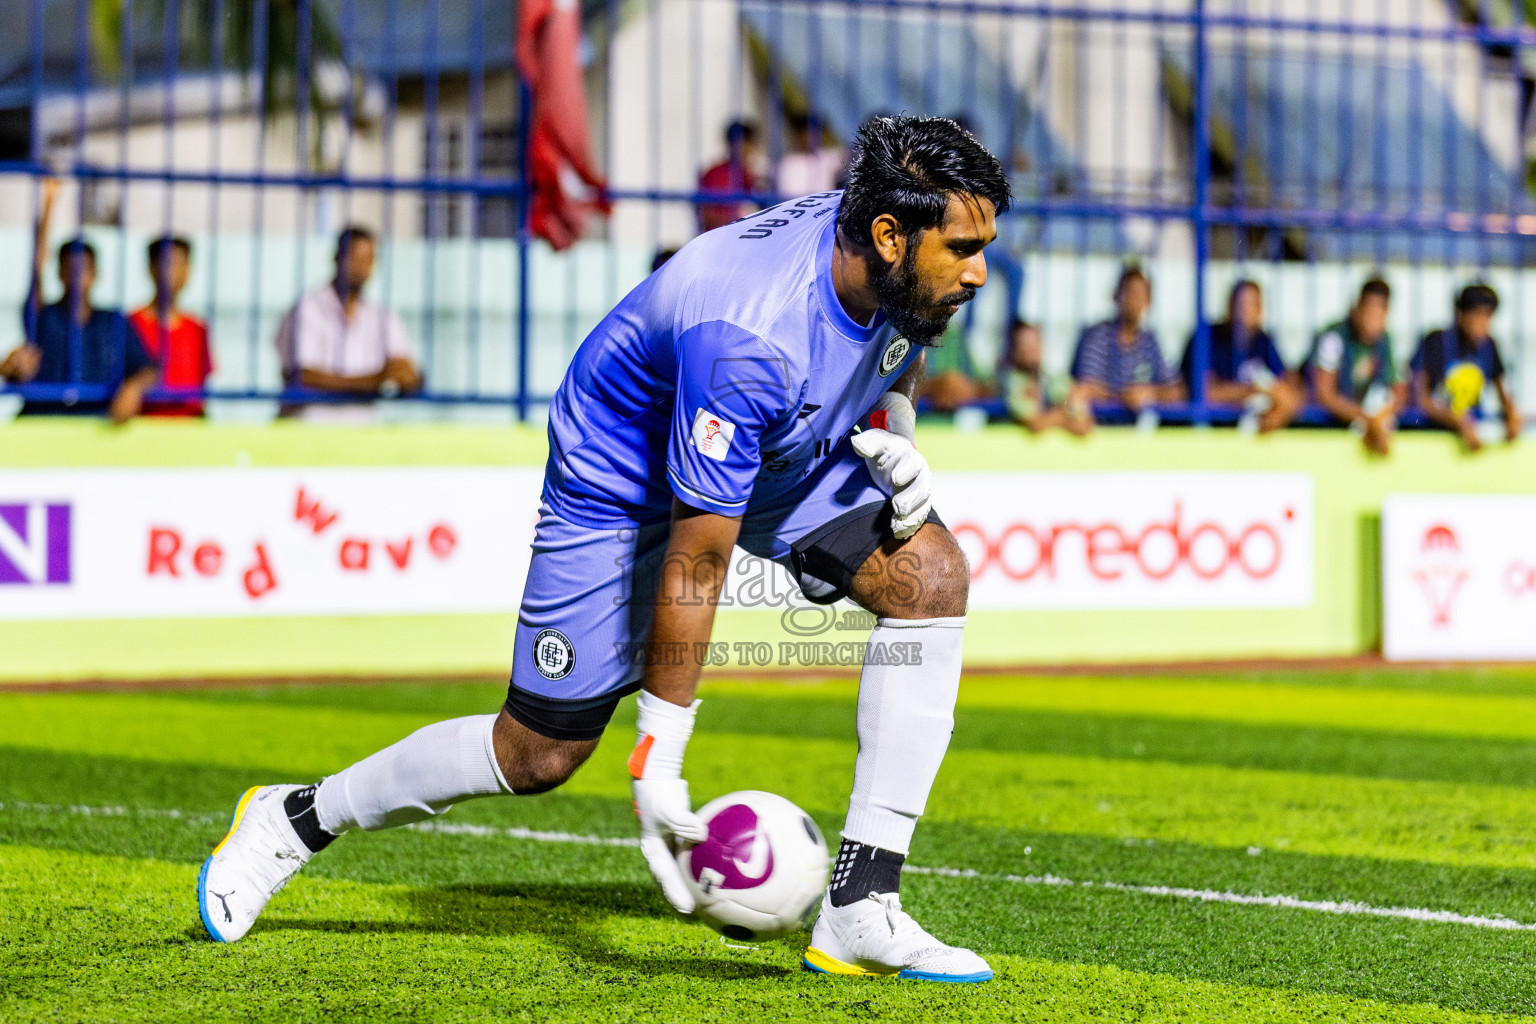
[(553, 654), (712, 434), (895, 352)]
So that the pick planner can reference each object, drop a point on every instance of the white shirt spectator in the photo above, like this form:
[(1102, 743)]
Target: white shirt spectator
[(801, 174), (316, 335)]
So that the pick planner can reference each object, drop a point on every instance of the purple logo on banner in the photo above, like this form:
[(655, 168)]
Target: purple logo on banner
[(34, 543)]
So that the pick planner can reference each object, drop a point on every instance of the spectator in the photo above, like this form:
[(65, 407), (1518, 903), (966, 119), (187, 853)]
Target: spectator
[(815, 165), (1035, 400), (950, 379), (1453, 367), (108, 349), (1245, 373), (661, 257), (176, 339), (736, 173), (1352, 372), (335, 340), (1119, 360)]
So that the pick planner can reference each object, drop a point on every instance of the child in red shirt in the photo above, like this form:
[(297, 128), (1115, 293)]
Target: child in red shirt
[(176, 340)]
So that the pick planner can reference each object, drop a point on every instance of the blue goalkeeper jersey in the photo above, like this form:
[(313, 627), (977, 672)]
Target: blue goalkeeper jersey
[(725, 378)]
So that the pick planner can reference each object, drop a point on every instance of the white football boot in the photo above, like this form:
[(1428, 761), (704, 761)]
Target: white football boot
[(874, 937), (256, 858)]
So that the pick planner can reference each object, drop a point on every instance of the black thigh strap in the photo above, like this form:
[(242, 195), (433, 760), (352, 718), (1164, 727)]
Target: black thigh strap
[(560, 719), (834, 553)]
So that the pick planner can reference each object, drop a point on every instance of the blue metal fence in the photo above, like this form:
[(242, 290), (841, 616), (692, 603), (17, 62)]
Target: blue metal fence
[(1299, 142)]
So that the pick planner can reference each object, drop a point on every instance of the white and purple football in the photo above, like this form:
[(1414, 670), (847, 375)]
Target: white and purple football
[(761, 872)]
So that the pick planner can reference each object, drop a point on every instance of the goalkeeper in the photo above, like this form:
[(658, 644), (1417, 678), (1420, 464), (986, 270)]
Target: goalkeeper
[(720, 404)]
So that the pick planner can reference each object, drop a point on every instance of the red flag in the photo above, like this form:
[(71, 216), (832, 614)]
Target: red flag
[(548, 41)]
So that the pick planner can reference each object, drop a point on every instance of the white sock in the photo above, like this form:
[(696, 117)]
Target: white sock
[(424, 774), (906, 716)]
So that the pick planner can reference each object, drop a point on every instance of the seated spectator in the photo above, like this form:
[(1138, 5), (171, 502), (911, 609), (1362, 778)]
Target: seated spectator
[(109, 350), (1245, 373), (1035, 400), (176, 339), (337, 341), (1452, 369), (1119, 360), (1352, 372), (736, 173), (815, 164), (950, 379)]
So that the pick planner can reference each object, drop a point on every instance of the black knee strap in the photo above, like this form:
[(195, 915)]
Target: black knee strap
[(560, 719), (832, 555)]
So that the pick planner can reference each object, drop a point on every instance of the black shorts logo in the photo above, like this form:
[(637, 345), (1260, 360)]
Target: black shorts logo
[(553, 654), (894, 353)]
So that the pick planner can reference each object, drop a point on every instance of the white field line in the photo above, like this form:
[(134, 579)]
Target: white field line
[(114, 812), (1345, 907), (1341, 907), (446, 828)]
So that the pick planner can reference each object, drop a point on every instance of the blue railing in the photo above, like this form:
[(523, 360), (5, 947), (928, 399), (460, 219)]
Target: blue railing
[(1181, 130)]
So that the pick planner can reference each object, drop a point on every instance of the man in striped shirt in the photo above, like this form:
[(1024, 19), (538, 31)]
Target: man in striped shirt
[(1119, 360)]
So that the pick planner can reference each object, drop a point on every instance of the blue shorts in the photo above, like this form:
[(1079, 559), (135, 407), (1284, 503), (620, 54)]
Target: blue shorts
[(587, 604)]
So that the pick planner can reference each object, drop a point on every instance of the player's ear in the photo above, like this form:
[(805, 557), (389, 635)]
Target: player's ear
[(888, 238)]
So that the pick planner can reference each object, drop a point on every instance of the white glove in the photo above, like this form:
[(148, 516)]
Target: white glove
[(667, 821), (903, 472)]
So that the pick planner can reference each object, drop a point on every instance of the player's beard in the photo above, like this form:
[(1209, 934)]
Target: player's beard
[(917, 314)]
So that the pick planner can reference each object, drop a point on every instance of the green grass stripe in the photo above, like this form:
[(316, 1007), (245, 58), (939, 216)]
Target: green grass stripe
[(95, 938), (439, 699), (1203, 804), (63, 779), (1495, 679), (828, 713), (1379, 684), (1322, 814), (305, 740), (1388, 755), (1225, 700)]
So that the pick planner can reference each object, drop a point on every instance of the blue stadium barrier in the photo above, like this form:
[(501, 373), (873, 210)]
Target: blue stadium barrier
[(1255, 142)]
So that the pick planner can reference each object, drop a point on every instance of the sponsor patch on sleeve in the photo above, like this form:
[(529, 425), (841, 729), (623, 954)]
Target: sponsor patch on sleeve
[(712, 435)]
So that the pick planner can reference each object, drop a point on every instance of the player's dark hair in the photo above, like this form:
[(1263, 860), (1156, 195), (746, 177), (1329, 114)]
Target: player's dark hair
[(77, 244), (350, 236), (1128, 273), (1377, 287), (1237, 289), (1477, 296), (909, 167), (740, 131), (165, 242)]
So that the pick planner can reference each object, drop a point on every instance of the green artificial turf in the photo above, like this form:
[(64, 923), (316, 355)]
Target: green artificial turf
[(1406, 790)]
